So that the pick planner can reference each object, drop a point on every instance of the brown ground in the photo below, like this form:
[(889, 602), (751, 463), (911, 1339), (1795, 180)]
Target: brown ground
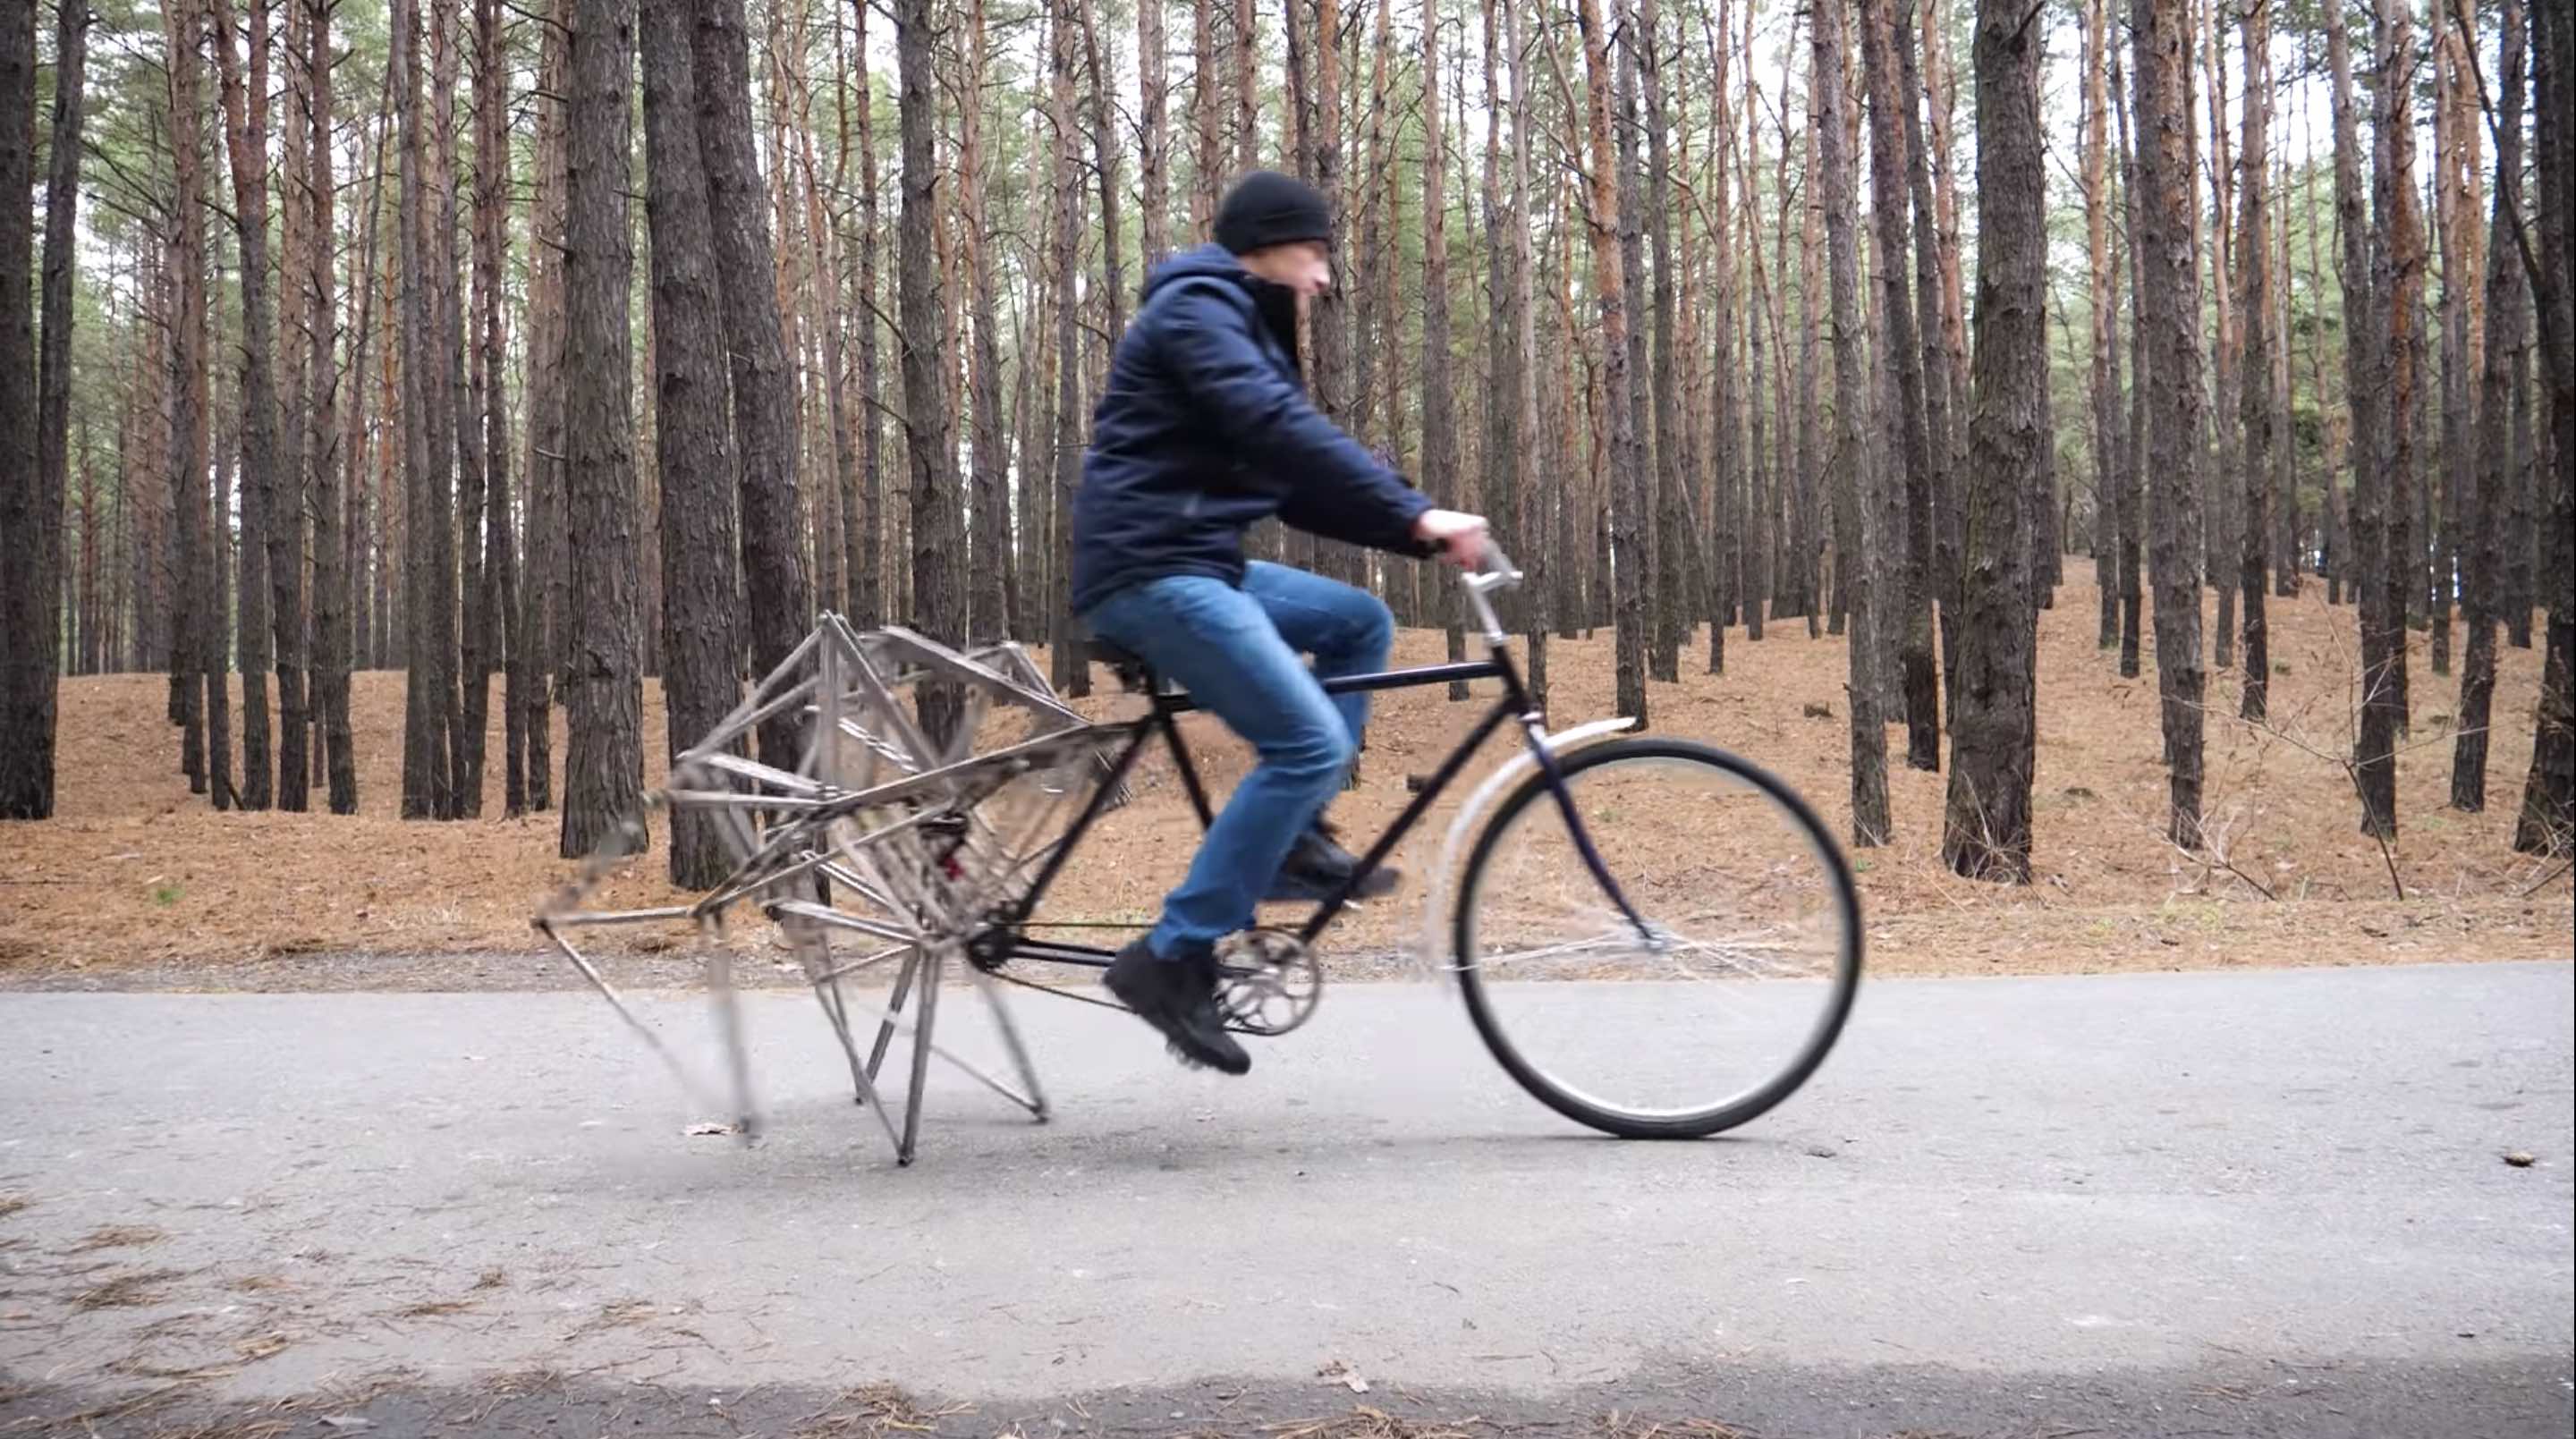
[(138, 875)]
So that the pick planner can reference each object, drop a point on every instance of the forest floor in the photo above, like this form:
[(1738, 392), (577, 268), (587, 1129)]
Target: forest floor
[(137, 880)]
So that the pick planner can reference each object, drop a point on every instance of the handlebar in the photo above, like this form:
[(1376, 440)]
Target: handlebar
[(1495, 571)]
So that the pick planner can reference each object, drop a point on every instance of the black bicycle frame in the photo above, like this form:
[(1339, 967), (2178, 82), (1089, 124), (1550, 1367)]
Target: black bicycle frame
[(1169, 706)]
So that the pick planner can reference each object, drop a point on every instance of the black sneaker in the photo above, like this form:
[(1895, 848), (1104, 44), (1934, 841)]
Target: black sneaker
[(1317, 867), (1178, 997)]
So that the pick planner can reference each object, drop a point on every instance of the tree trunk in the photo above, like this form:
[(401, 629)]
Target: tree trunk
[(700, 680), (1940, 327), (2130, 454), (867, 569), (35, 415), (2103, 394), (215, 583), (1207, 129), (2505, 379), (1071, 669), (1527, 506), (2382, 393), (938, 602), (1813, 305), (1113, 198), (1153, 133), (1613, 229), (1939, 87), (294, 397), (1247, 90), (987, 619), (2549, 792), (465, 596), (1671, 522), (499, 639), (2452, 208), (2404, 249), (2169, 318), (331, 578), (1891, 155), (1497, 483), (1734, 536), (193, 617), (1829, 122), (1993, 718), (1439, 402), (427, 645), (781, 606), (604, 760), (2219, 518), (544, 623), (246, 150), (2254, 313), (1764, 472), (454, 451), (30, 528), (1371, 272)]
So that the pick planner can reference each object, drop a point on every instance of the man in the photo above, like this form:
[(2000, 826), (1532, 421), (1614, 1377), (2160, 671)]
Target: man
[(1204, 429)]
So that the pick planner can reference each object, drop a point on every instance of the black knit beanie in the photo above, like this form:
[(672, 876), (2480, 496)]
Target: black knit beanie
[(1267, 208)]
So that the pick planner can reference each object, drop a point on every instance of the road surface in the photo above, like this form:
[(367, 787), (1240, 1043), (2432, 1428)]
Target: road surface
[(2214, 1203)]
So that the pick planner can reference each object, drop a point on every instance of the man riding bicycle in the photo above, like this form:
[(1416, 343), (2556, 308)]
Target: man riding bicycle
[(1204, 429)]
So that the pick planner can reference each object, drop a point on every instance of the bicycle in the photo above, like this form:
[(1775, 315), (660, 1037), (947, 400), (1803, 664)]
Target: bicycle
[(954, 856)]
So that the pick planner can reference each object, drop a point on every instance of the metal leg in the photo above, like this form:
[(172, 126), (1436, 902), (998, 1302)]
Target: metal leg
[(1036, 1102), (920, 1059), (827, 993), (729, 1023), (885, 1031)]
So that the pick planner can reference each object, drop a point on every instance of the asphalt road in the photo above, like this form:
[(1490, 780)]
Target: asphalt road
[(2216, 1203)]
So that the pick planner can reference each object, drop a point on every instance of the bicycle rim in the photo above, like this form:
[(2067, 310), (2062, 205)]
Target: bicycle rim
[(1736, 988)]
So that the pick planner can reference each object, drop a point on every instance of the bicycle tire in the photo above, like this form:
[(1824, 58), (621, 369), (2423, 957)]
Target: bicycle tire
[(1737, 1109)]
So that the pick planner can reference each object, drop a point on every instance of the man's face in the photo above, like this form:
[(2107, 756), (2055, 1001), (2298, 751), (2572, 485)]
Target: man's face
[(1305, 267)]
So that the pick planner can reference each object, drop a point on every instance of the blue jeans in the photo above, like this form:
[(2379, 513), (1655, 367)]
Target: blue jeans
[(1235, 651)]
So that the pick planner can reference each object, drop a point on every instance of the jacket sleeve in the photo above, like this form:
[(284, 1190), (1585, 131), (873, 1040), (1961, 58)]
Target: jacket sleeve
[(1341, 491)]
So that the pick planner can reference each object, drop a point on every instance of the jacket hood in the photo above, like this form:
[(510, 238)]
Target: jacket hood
[(1275, 304), (1209, 261)]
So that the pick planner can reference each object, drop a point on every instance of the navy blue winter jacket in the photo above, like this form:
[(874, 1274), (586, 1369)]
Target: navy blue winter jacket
[(1206, 428)]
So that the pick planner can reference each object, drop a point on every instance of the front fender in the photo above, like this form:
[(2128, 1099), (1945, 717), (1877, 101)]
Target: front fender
[(1453, 848)]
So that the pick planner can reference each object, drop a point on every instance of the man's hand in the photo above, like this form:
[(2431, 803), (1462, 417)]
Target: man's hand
[(1460, 538)]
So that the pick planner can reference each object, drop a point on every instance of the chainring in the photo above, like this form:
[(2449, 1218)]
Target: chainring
[(1267, 982)]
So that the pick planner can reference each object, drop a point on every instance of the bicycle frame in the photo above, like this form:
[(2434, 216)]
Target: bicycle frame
[(1004, 939)]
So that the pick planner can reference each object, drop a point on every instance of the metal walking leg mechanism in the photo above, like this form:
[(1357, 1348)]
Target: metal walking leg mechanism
[(931, 786)]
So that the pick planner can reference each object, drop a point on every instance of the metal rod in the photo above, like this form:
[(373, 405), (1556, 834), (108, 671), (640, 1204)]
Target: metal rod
[(825, 914), (886, 1019), (1183, 703), (758, 773), (688, 1082), (737, 1054), (1036, 1102), (838, 972), (921, 1045), (573, 918)]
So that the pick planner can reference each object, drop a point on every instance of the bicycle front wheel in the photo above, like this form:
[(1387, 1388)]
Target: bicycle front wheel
[(1697, 988)]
